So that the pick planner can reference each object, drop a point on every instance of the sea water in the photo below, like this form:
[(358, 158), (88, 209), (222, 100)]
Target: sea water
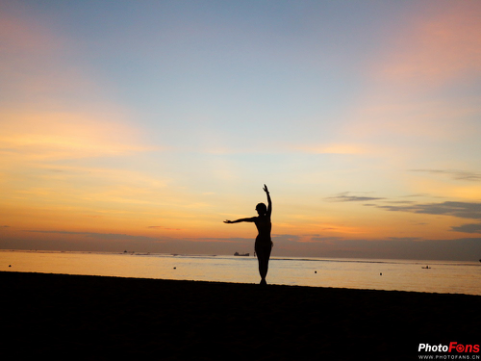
[(401, 275)]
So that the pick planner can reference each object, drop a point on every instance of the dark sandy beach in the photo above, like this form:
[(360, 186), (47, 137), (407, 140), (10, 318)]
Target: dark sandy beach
[(103, 318)]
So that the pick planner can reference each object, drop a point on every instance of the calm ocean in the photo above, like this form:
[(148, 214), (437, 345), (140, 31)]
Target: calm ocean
[(401, 275)]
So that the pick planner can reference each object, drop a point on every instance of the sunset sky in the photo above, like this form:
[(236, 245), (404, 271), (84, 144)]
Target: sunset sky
[(143, 125)]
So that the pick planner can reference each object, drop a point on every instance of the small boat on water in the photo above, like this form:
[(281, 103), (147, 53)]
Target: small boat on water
[(241, 254), (427, 267)]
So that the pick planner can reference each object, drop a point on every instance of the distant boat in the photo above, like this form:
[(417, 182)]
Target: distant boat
[(427, 267), (241, 254)]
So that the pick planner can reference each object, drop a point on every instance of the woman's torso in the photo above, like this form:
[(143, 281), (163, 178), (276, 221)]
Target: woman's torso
[(264, 227)]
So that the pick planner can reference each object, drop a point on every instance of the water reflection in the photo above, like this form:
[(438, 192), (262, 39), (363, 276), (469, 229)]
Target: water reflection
[(443, 277)]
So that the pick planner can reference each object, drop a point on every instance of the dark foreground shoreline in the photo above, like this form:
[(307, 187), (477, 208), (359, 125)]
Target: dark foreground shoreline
[(103, 318)]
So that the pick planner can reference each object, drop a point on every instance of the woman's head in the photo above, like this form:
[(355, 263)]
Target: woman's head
[(261, 209)]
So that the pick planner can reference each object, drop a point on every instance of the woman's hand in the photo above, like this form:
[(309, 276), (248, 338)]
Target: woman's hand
[(265, 189), (227, 221)]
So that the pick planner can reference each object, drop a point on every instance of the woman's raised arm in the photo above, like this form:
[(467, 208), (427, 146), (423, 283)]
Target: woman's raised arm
[(269, 202)]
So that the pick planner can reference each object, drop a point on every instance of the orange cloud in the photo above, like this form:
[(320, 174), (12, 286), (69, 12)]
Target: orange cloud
[(50, 136), (404, 117), (47, 85), (445, 188), (334, 148)]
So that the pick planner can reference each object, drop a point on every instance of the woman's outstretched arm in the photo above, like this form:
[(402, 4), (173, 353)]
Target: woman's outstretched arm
[(269, 202), (242, 220)]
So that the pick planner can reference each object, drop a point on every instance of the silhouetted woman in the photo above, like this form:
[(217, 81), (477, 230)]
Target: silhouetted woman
[(263, 245)]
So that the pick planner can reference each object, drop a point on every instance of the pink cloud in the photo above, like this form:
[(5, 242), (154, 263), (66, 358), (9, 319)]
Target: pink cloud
[(439, 47)]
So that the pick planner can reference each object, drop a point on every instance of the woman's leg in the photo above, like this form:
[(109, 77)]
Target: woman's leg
[(263, 252)]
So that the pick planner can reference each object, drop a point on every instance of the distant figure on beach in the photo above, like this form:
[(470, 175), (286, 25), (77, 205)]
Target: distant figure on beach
[(263, 245)]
